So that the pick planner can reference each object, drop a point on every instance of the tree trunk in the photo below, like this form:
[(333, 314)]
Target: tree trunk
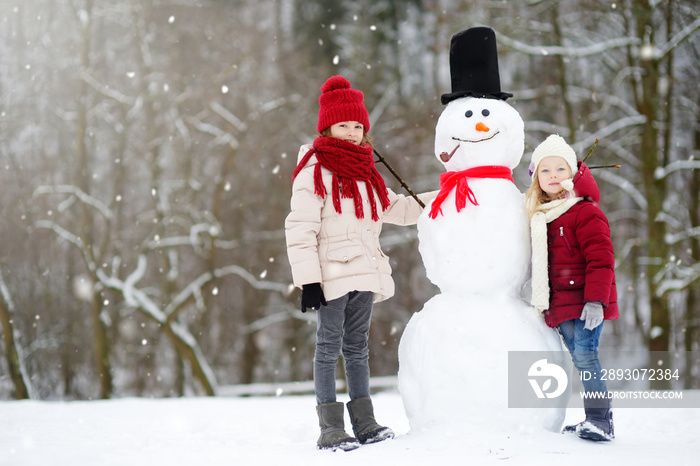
[(101, 340), (692, 310), (563, 80), (188, 350), (654, 189), (15, 363)]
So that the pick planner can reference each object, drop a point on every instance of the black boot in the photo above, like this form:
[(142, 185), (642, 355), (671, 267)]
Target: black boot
[(598, 425), (333, 436), (363, 424)]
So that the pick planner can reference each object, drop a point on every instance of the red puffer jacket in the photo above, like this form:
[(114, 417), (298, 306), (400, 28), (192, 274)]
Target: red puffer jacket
[(581, 256)]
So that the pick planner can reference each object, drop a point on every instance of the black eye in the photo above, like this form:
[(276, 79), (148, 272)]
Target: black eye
[(485, 112), (469, 114)]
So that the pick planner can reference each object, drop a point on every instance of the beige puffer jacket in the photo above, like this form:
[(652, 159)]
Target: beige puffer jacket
[(341, 251)]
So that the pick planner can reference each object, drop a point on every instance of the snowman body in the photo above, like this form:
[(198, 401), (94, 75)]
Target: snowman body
[(453, 355), (482, 249)]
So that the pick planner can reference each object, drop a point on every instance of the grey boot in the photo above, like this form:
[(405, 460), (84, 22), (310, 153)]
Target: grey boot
[(333, 436), (598, 425), (363, 424)]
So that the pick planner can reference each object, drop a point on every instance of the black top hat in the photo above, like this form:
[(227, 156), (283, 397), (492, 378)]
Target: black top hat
[(474, 66)]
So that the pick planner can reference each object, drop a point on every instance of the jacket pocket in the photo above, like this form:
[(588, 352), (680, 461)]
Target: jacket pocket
[(570, 281), (344, 251)]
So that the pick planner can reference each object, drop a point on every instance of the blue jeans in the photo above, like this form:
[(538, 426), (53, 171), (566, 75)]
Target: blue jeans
[(583, 346), (343, 324)]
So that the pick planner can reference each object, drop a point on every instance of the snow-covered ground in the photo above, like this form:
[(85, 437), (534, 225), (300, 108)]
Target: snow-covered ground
[(283, 430)]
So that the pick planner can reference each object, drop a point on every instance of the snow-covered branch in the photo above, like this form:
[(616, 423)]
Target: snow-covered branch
[(222, 137), (544, 126), (80, 194), (685, 278), (387, 98), (139, 299), (278, 317), (71, 238), (275, 104), (133, 296), (663, 172), (678, 38), (622, 123), (169, 242), (193, 289), (196, 231), (267, 321), (136, 276), (228, 116), (106, 90), (625, 185), (281, 288), (135, 109), (673, 238), (583, 51), (185, 336), (61, 232)]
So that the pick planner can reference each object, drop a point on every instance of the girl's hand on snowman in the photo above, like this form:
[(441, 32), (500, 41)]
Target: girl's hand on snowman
[(593, 315), (312, 297)]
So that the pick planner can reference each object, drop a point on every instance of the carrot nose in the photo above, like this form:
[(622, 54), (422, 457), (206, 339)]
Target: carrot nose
[(482, 127)]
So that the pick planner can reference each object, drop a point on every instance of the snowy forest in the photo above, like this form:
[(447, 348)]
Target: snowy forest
[(147, 148)]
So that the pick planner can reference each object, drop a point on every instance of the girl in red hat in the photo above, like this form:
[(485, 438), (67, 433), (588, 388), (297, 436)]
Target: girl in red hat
[(339, 202)]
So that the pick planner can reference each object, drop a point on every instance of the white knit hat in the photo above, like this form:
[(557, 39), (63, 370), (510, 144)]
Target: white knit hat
[(554, 145)]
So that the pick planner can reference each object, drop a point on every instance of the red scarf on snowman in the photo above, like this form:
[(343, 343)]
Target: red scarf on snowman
[(458, 181), (349, 163)]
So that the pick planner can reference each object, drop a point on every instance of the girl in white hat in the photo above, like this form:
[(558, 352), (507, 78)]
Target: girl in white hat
[(573, 269)]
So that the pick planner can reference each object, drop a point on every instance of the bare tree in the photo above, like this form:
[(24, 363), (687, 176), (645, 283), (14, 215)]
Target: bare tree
[(13, 351), (148, 146)]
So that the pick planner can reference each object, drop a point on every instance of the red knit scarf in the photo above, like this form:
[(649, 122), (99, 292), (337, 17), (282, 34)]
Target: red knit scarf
[(450, 180), (349, 164)]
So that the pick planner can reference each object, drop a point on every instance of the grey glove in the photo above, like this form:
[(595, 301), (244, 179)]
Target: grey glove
[(593, 315)]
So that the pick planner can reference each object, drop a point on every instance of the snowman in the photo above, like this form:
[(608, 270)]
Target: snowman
[(474, 241)]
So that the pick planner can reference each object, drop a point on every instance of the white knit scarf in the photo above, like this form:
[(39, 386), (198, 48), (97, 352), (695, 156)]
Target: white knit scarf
[(544, 214)]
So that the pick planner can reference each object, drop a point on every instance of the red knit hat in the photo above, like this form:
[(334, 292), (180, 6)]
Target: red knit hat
[(341, 103)]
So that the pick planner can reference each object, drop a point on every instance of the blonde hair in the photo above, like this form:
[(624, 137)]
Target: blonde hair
[(535, 196)]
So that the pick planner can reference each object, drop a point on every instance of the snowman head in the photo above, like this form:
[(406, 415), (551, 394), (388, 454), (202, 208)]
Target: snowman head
[(474, 132)]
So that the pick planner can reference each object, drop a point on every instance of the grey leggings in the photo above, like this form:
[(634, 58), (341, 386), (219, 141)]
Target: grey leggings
[(343, 324)]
